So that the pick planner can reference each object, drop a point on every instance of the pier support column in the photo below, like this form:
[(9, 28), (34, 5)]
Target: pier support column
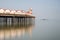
[(18, 21), (9, 21), (12, 21), (24, 21)]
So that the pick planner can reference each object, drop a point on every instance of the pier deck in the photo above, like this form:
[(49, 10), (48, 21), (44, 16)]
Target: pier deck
[(16, 15)]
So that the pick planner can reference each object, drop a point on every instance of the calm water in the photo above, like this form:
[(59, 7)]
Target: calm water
[(42, 30)]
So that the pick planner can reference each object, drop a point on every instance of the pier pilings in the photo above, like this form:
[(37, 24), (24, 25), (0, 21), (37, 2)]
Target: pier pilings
[(15, 21)]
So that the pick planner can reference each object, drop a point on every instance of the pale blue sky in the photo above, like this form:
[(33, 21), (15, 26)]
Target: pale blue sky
[(41, 8)]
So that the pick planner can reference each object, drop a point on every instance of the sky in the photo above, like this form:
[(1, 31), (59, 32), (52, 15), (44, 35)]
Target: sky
[(49, 9)]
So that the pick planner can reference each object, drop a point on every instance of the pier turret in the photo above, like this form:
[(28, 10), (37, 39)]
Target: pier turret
[(30, 10)]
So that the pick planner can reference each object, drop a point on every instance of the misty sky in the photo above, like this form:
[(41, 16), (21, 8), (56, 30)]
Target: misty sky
[(41, 8)]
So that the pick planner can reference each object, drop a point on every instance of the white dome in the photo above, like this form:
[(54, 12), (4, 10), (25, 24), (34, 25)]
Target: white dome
[(1, 11), (30, 8), (12, 12), (18, 11), (7, 11)]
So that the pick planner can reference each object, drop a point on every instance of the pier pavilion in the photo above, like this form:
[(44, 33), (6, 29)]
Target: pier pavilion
[(14, 17)]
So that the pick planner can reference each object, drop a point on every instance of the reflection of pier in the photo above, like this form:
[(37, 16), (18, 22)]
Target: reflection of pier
[(17, 31)]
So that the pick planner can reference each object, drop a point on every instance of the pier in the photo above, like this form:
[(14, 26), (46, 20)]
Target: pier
[(15, 23), (15, 18), (8, 17)]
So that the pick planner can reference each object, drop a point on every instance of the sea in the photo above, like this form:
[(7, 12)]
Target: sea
[(42, 29)]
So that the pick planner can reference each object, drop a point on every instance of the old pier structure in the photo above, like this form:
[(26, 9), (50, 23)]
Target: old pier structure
[(16, 17)]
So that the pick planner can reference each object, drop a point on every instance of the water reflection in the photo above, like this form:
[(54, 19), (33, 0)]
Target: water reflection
[(7, 32)]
